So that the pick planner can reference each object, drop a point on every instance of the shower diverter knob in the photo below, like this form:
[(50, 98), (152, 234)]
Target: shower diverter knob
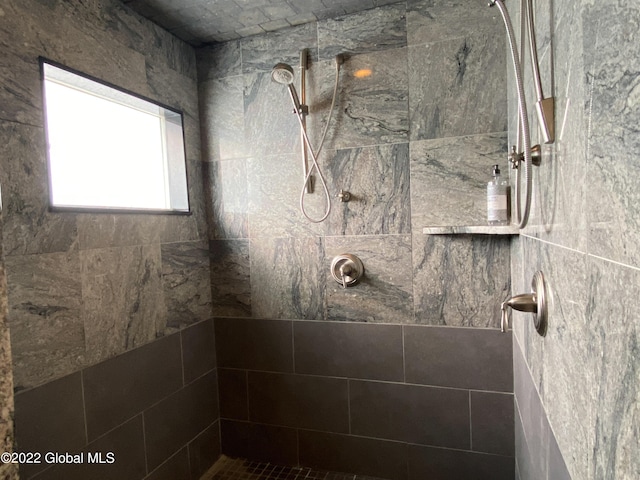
[(536, 302), (347, 269)]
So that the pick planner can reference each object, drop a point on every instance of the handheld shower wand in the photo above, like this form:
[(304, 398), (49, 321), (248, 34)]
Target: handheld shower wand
[(282, 73)]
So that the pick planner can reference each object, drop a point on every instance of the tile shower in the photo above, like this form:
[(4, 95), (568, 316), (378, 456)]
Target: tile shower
[(172, 339), (577, 389), (400, 376)]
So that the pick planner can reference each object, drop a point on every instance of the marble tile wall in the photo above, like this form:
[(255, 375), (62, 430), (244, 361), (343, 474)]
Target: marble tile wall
[(402, 176), (413, 140), (155, 408), (7, 470), (583, 235), (86, 288)]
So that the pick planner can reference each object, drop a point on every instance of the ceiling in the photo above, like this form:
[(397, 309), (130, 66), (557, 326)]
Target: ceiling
[(200, 22)]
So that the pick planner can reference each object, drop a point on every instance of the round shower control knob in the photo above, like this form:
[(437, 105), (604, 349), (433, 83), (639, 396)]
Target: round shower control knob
[(347, 269)]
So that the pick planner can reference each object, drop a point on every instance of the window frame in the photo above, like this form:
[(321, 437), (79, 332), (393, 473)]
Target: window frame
[(106, 209)]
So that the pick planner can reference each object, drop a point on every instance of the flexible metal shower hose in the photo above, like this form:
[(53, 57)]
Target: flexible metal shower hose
[(523, 217), (314, 157)]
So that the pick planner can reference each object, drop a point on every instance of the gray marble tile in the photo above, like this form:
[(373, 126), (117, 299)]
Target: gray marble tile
[(460, 280), (557, 467), (166, 47), (192, 226), (532, 427), (30, 31), (21, 92), (112, 22), (120, 25), (449, 179), (28, 226), (230, 278), (528, 462), (288, 278), (115, 230), (430, 21), (518, 283), (123, 301), (192, 134), (84, 26), (45, 316), (262, 52), (274, 186), (222, 117), (111, 230), (372, 30), (8, 471), (219, 61), (226, 197), (616, 334), (457, 87), (560, 183), (372, 102), (568, 393), (186, 280), (171, 88), (612, 59), (270, 127), (384, 294), (378, 180)]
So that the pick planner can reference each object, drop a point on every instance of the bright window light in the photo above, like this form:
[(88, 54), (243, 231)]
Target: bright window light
[(111, 150)]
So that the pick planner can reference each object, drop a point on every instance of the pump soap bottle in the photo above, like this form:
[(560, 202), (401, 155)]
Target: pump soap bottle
[(497, 199)]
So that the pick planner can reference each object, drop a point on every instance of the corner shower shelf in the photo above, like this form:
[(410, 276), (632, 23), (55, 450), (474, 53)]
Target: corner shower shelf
[(472, 230)]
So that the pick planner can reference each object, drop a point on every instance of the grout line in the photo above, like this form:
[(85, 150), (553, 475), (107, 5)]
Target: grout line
[(404, 358), (182, 359), (144, 445), (372, 380), (613, 262), (367, 437), (470, 424), (297, 446), (293, 348), (363, 324), (587, 254), (349, 404), (84, 408), (246, 383)]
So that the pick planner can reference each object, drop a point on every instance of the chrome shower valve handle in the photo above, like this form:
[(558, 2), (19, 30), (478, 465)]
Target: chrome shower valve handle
[(347, 269), (535, 302)]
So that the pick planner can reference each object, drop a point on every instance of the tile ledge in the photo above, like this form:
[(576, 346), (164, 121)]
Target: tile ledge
[(472, 229)]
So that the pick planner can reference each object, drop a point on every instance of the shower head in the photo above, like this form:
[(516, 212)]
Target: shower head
[(282, 73)]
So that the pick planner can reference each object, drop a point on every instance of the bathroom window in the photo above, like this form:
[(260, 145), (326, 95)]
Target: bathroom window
[(110, 150)]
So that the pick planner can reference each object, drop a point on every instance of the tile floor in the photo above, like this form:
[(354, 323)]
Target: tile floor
[(240, 469)]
